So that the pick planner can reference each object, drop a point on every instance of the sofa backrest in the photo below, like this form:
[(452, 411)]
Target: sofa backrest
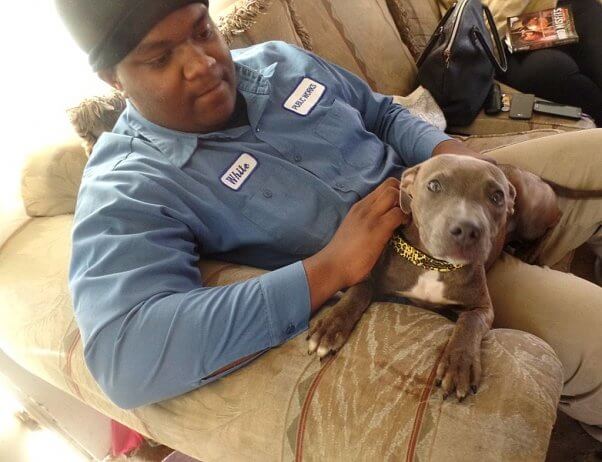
[(359, 35)]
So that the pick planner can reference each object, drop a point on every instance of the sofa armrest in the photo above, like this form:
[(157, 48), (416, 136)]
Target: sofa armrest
[(51, 177), (501, 123), (375, 400)]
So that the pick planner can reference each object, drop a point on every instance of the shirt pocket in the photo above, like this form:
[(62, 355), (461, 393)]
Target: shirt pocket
[(296, 218), (343, 127)]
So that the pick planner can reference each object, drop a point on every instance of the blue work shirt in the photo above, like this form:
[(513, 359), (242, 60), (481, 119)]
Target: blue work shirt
[(268, 194)]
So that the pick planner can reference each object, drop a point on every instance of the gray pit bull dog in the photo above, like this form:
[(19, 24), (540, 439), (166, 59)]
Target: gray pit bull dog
[(461, 208)]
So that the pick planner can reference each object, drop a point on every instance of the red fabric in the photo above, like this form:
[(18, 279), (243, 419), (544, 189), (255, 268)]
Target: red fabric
[(123, 439)]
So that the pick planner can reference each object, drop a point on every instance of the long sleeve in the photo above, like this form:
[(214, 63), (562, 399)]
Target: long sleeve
[(151, 331), (412, 138)]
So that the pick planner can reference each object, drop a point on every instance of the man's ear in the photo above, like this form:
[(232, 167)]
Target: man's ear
[(110, 77), (405, 189)]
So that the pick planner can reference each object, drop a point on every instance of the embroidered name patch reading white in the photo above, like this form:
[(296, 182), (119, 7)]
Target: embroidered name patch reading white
[(305, 96), (239, 171)]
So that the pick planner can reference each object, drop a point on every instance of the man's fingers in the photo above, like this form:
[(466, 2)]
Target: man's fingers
[(376, 194), (393, 219), (388, 199)]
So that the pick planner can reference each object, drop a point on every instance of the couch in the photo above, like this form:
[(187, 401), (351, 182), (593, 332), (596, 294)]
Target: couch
[(375, 400)]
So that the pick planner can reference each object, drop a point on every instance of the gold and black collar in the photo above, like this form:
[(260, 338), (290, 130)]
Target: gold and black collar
[(418, 258)]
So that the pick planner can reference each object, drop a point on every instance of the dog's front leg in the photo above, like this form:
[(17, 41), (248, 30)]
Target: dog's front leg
[(460, 366), (330, 333)]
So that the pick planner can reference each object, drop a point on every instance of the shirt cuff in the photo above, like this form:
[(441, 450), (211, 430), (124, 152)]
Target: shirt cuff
[(426, 144), (287, 300)]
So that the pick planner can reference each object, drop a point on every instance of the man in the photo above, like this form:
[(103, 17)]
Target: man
[(274, 158)]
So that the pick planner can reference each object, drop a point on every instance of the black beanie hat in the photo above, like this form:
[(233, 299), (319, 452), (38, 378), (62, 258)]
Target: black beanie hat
[(107, 30)]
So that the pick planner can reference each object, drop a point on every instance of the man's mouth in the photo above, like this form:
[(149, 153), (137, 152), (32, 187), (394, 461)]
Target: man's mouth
[(210, 89)]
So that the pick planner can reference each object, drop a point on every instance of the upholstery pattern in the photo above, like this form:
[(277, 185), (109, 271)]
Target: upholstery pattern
[(251, 21), (51, 177), (344, 31), (416, 21)]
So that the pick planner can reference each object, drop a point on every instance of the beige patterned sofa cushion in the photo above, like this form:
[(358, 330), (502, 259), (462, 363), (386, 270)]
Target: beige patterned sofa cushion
[(361, 37), (51, 177), (342, 31), (416, 20), (374, 401), (246, 22)]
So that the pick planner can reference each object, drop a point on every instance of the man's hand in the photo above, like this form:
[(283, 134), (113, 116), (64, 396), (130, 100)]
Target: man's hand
[(456, 147), (357, 244)]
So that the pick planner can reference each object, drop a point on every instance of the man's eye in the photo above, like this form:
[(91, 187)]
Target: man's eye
[(204, 33), (497, 197), (434, 186), (161, 60)]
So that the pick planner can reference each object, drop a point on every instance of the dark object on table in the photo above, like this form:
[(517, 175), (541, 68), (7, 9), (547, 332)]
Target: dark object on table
[(493, 103), (560, 110), (521, 106)]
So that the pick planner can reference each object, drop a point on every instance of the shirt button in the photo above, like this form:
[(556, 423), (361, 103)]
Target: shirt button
[(257, 129), (297, 158), (267, 193), (290, 329)]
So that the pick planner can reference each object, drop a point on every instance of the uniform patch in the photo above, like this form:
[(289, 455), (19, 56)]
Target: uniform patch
[(303, 98), (239, 171)]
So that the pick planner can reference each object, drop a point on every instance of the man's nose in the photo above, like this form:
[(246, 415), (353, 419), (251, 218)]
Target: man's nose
[(465, 232), (197, 62)]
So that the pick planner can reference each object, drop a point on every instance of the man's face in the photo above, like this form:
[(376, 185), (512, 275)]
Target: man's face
[(181, 75)]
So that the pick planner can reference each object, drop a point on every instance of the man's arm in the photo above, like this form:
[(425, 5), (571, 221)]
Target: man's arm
[(357, 244), (411, 137), (454, 147), (150, 329), (414, 139)]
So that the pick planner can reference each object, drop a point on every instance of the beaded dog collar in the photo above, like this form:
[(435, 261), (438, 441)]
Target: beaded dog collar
[(416, 257)]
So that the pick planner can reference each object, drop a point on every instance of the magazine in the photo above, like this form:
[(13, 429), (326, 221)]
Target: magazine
[(542, 29)]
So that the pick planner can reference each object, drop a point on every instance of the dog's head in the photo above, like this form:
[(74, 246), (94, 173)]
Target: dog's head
[(460, 205)]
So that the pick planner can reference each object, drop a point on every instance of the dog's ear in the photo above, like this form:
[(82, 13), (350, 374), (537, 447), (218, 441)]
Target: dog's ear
[(405, 189), (511, 199), (535, 204), (405, 202)]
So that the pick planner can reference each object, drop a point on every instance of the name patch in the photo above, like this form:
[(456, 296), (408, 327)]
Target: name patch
[(305, 96), (239, 171)]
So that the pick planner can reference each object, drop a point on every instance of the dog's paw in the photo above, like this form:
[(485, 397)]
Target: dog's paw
[(459, 369), (329, 334)]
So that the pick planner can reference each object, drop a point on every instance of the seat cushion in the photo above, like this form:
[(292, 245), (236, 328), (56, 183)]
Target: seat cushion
[(375, 400)]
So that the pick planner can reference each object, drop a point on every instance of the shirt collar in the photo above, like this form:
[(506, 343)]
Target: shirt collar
[(178, 146)]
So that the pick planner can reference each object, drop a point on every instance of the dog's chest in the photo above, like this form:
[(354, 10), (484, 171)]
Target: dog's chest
[(430, 288)]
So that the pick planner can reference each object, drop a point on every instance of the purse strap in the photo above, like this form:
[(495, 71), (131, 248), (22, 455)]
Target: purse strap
[(433, 40), (500, 65)]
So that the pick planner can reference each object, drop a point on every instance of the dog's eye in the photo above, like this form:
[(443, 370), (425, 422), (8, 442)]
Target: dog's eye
[(497, 197), (434, 186)]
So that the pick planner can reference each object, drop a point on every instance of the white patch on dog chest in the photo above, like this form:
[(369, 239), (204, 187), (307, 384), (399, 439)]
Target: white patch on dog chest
[(428, 288)]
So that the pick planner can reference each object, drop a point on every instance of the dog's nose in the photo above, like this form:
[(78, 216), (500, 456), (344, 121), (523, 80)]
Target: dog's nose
[(465, 232)]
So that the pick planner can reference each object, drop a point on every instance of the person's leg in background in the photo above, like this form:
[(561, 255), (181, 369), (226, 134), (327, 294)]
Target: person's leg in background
[(587, 53), (553, 74), (562, 309)]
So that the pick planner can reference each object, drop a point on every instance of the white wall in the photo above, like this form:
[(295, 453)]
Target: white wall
[(42, 73)]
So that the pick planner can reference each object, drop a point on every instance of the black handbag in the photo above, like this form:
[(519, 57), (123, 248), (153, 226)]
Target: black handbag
[(457, 66)]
